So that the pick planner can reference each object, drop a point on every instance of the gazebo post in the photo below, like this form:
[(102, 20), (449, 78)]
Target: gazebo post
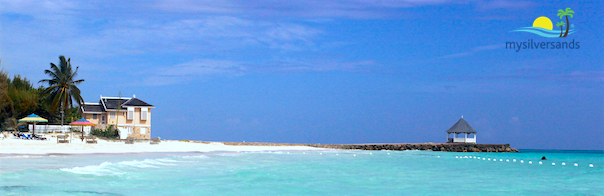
[(465, 137)]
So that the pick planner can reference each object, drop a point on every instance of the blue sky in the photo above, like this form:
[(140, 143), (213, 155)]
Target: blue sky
[(326, 71)]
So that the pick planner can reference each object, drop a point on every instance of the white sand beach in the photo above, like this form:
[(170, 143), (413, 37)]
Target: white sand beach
[(40, 147)]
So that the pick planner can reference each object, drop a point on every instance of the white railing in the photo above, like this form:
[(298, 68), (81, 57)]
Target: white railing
[(57, 128), (464, 140)]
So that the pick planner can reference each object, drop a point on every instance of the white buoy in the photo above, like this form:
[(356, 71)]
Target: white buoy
[(474, 156), (500, 159), (540, 163), (478, 157), (494, 159), (354, 155), (388, 153), (563, 163), (456, 157), (438, 156), (370, 153), (576, 164), (514, 160), (521, 161), (553, 163), (483, 159), (287, 152), (591, 165), (530, 162), (321, 153), (507, 160)]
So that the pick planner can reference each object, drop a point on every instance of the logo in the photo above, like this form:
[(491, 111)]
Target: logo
[(544, 27)]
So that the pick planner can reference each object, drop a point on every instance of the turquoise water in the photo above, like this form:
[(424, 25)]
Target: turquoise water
[(337, 172)]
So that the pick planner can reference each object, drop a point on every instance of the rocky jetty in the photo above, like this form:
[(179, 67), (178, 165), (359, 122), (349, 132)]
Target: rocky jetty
[(449, 147)]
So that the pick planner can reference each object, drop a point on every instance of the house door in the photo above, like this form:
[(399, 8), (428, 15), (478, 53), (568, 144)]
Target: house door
[(123, 133), (103, 119)]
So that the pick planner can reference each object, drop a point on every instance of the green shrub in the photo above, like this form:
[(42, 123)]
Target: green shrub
[(110, 132)]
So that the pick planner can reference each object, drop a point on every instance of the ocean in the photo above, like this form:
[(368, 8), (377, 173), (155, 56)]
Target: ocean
[(331, 172)]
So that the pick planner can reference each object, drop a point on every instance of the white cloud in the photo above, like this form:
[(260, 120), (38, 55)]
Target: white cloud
[(474, 51)]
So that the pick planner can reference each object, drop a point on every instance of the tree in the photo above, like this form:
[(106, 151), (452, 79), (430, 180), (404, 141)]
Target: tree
[(14, 125), (560, 24), (5, 102), (566, 13), (62, 89), (24, 97)]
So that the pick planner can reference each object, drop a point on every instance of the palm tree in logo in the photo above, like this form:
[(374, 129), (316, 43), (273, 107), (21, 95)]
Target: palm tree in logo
[(560, 24), (567, 12)]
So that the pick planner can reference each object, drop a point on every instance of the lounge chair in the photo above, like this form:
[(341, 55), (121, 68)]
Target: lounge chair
[(130, 140), (62, 139), (90, 139), (154, 140), (27, 137)]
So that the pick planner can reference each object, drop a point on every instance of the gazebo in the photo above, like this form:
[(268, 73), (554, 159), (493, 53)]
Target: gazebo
[(461, 127)]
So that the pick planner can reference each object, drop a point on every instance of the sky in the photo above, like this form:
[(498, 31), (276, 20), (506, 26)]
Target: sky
[(306, 71)]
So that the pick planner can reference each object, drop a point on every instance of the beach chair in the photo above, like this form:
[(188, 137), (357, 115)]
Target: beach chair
[(130, 140), (154, 141), (27, 137), (62, 139), (90, 139)]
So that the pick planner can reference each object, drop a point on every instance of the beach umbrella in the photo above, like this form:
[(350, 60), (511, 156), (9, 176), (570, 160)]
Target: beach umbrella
[(82, 122), (33, 118)]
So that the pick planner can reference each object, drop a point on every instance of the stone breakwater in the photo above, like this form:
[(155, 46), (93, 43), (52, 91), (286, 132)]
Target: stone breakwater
[(449, 147)]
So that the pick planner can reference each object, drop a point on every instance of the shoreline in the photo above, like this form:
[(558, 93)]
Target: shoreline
[(18, 147)]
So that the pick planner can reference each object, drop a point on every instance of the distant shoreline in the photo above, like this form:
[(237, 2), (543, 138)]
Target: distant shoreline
[(446, 147)]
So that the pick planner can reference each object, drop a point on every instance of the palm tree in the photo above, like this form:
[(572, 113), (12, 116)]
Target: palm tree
[(566, 13), (560, 24), (62, 88), (14, 124)]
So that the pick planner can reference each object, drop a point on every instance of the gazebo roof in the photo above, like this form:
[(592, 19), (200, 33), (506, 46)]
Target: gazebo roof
[(461, 127)]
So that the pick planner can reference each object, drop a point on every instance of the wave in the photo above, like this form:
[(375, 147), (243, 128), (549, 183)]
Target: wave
[(104, 169), (120, 168), (194, 157), (542, 32)]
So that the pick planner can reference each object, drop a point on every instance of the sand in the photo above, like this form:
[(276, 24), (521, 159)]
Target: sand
[(10, 146)]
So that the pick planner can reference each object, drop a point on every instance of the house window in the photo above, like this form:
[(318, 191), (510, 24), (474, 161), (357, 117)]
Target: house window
[(129, 130), (143, 131), (112, 115), (130, 113), (95, 116), (144, 113)]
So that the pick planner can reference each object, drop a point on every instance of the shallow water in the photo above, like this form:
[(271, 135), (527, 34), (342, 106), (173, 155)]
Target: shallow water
[(338, 172)]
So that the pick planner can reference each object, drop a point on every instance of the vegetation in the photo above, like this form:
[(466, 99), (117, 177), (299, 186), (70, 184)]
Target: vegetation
[(19, 98), (62, 88), (109, 133), (567, 12)]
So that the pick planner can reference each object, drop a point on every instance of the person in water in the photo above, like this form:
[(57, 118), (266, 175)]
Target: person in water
[(543, 158)]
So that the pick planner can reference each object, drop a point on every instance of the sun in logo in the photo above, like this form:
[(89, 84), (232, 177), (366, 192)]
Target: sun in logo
[(543, 22)]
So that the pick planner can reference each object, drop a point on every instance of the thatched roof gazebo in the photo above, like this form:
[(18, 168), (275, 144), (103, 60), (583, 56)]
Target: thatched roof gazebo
[(461, 127)]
